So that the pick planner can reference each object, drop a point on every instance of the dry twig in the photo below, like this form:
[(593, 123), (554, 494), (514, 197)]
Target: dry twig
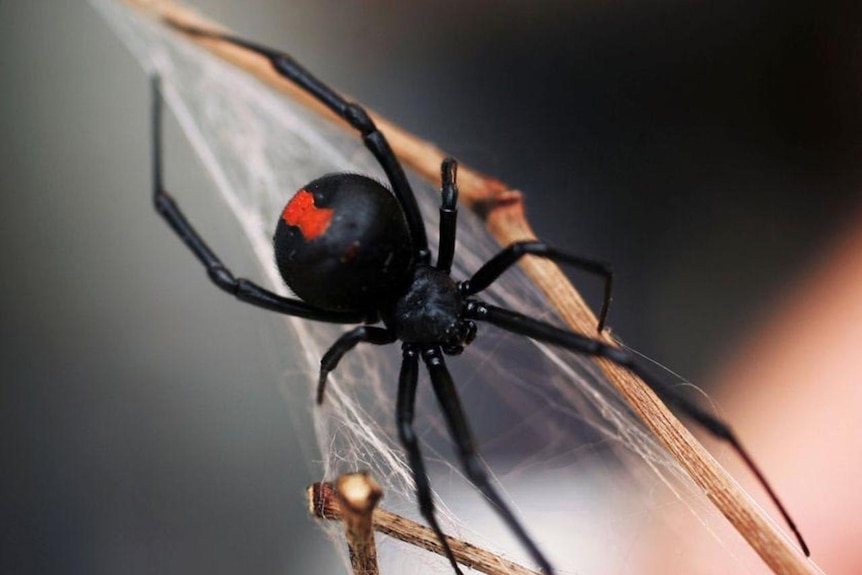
[(357, 495), (325, 502)]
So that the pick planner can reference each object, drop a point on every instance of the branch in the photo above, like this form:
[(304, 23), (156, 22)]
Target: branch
[(325, 501)]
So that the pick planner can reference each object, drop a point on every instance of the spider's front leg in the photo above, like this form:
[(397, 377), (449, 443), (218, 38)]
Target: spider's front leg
[(527, 326), (459, 429), (405, 409), (494, 268), (448, 214), (511, 254)]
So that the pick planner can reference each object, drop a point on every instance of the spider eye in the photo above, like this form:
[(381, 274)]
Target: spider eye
[(342, 243)]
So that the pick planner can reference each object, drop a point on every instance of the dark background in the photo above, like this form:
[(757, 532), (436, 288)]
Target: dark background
[(709, 150)]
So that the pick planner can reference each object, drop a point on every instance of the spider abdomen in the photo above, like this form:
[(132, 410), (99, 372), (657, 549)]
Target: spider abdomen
[(342, 243)]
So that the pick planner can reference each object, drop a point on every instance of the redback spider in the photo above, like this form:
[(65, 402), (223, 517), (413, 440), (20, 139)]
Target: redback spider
[(356, 252)]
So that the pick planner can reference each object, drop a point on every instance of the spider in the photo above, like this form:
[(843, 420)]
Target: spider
[(355, 252)]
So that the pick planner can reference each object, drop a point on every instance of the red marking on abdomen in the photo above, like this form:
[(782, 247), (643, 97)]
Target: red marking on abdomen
[(302, 213)]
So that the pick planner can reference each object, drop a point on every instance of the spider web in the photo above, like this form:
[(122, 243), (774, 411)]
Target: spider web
[(591, 484)]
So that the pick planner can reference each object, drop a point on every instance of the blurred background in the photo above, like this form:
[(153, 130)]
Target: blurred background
[(708, 150)]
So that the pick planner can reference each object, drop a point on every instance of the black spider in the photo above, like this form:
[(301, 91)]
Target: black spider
[(356, 253)]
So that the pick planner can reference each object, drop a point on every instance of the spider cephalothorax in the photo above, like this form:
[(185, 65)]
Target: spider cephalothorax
[(430, 312), (356, 253)]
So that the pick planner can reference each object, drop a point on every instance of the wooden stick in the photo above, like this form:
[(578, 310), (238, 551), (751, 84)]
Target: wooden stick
[(358, 495), (324, 503), (503, 211)]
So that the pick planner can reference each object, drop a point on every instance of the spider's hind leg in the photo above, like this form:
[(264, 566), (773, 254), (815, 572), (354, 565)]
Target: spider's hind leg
[(351, 112), (241, 288), (347, 341)]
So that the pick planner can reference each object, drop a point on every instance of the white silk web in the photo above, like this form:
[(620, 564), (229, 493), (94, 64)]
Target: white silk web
[(592, 486)]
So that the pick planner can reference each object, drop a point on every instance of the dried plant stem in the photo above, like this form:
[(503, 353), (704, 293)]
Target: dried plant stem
[(325, 502), (357, 495), (503, 211)]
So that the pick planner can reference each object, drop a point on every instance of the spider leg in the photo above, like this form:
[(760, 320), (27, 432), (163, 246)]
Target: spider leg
[(245, 290), (494, 268), (459, 429), (448, 214), (523, 325), (404, 414), (349, 340), (351, 112)]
